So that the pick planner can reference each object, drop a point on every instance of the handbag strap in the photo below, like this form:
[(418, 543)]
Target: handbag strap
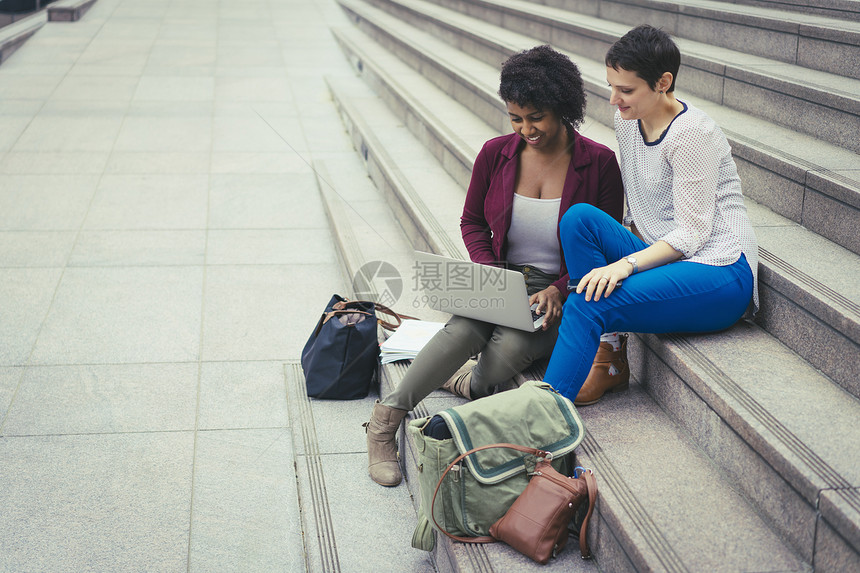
[(382, 309), (591, 486), (328, 316), (485, 538), (398, 317)]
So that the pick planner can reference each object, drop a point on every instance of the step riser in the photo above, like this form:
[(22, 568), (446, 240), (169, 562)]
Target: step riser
[(848, 11), (792, 42), (457, 162), (812, 338), (835, 556), (479, 99), (784, 184), (381, 171), (824, 115)]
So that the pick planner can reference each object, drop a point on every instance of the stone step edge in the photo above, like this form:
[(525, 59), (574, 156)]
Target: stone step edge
[(68, 10), (829, 306), (315, 519), (433, 236), (14, 35), (847, 9), (779, 453), (766, 21), (451, 144)]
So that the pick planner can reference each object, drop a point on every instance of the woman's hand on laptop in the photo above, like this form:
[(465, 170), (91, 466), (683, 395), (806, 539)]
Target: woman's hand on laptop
[(549, 303)]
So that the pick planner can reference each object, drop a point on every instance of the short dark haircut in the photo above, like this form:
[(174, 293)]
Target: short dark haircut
[(647, 51), (546, 80)]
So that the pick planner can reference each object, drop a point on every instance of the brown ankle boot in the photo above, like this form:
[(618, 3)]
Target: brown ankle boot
[(599, 381), (460, 384), (383, 463)]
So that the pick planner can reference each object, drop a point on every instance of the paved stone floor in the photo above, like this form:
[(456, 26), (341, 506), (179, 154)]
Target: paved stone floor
[(164, 253)]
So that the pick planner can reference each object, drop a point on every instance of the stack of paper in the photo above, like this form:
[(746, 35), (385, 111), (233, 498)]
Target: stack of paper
[(409, 338)]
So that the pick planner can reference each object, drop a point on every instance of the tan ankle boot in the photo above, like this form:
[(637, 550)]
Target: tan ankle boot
[(460, 384), (599, 381), (383, 463)]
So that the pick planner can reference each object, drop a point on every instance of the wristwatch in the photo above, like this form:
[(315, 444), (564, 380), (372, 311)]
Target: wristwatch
[(632, 261)]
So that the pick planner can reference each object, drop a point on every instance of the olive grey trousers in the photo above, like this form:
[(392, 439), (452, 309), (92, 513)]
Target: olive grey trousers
[(504, 353)]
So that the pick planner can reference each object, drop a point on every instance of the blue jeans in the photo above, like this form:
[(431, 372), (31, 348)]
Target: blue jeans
[(679, 297)]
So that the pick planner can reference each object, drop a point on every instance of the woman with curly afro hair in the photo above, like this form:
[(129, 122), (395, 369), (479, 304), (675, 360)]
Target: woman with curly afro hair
[(546, 80), (522, 184)]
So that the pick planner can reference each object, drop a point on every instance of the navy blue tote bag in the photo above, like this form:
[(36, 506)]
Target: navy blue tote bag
[(341, 357)]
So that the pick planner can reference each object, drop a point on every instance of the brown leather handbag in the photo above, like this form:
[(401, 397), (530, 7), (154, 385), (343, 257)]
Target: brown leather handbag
[(536, 523)]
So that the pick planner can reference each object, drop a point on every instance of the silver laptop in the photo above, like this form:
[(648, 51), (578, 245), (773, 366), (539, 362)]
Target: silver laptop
[(473, 290)]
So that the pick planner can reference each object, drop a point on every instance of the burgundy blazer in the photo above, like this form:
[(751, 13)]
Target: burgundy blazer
[(593, 177)]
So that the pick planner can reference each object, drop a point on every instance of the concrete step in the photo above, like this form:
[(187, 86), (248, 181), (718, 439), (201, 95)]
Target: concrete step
[(767, 418), (425, 199), (68, 10), (447, 128), (815, 42), (740, 79), (621, 485), (807, 180), (812, 307), (643, 462), (766, 346), (13, 35), (839, 9)]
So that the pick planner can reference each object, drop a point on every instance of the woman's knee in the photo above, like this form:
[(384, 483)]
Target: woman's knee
[(461, 332), (576, 218), (512, 344)]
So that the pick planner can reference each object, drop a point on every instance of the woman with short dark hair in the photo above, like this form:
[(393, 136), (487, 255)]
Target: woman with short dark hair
[(688, 262), (522, 183)]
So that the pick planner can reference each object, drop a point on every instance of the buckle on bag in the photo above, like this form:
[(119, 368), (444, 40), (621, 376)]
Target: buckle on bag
[(581, 469), (545, 456)]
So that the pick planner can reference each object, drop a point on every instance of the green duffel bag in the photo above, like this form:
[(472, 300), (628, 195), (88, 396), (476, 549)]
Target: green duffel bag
[(475, 494)]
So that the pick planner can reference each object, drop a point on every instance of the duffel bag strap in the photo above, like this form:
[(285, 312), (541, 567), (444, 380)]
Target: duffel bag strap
[(479, 539)]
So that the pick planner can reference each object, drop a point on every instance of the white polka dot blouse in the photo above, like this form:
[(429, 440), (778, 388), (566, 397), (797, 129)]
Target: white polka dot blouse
[(684, 189)]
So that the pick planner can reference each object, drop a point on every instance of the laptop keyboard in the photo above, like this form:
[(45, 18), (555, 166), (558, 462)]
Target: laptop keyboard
[(537, 318)]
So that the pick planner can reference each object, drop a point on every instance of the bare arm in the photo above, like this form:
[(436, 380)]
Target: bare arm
[(603, 280)]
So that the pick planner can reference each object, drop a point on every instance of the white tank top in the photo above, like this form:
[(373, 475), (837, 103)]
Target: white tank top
[(533, 235)]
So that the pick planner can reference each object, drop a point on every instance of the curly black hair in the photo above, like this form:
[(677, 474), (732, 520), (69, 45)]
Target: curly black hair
[(546, 80)]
